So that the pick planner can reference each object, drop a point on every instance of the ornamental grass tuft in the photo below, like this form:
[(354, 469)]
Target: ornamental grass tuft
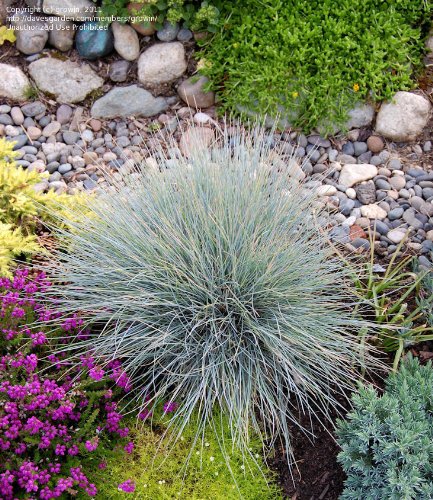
[(214, 284)]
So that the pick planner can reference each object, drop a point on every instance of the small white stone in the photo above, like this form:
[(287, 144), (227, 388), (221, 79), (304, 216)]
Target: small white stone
[(151, 163), (373, 212), (350, 221), (201, 118), (326, 190), (12, 131), (51, 129), (351, 193), (396, 235), (351, 174), (429, 235)]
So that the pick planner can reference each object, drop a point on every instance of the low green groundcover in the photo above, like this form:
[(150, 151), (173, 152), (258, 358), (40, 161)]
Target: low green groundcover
[(313, 59), (165, 470)]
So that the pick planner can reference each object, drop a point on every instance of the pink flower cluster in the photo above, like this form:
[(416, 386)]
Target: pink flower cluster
[(42, 403)]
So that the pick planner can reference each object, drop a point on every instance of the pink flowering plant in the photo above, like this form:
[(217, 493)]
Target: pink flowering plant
[(58, 420)]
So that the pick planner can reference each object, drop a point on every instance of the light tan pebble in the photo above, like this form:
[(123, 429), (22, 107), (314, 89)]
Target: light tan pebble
[(202, 118), (95, 124), (76, 161), (429, 235), (363, 222), (396, 235), (163, 118), (397, 182), (51, 129), (185, 112), (17, 115), (37, 166), (34, 133), (90, 157), (336, 165), (373, 211), (151, 163), (326, 190), (195, 139), (351, 193), (12, 131), (384, 171), (414, 246), (350, 221), (392, 194), (109, 156), (2, 130), (398, 172)]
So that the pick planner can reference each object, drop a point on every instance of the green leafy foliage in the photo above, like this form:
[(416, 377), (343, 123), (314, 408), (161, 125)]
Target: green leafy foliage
[(311, 60), (216, 288), (387, 441), (21, 206), (194, 14), (387, 293), (159, 468)]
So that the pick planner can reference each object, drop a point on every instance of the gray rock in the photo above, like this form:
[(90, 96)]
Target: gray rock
[(118, 71), (346, 207), (62, 33), (382, 184), (68, 81), (14, 84), (361, 243), (192, 93), (381, 227), (162, 63), (66, 167), (20, 141), (63, 114), (17, 115), (360, 116), (395, 213), (359, 148), (394, 164), (126, 41), (168, 32), (340, 234), (427, 147), (320, 142), (5, 120), (365, 157), (424, 262), (348, 149), (30, 31), (409, 216), (127, 101), (366, 193), (404, 118), (184, 35), (70, 137)]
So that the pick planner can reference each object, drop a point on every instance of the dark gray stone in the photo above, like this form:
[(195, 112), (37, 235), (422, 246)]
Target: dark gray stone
[(118, 71), (360, 148), (33, 109), (366, 193)]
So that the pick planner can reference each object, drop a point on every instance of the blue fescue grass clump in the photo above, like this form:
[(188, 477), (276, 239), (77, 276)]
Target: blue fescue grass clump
[(214, 284), (387, 441)]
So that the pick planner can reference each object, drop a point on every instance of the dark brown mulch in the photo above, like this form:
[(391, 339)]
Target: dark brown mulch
[(318, 475)]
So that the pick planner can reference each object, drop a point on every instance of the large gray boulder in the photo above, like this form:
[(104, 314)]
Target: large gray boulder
[(128, 101), (67, 81), (404, 118)]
